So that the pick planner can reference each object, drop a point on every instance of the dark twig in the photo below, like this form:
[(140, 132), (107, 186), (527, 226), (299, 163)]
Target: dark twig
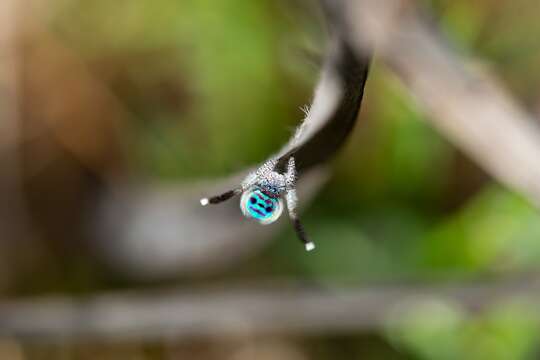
[(334, 111)]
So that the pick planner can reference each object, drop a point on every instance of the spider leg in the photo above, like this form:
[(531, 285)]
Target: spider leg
[(221, 198), (250, 180), (267, 167), (290, 175), (292, 201)]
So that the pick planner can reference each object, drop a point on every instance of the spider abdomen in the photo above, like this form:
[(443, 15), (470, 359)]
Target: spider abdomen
[(256, 204)]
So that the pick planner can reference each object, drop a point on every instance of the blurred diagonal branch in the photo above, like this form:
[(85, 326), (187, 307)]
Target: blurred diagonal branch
[(242, 311), (465, 103), (134, 221)]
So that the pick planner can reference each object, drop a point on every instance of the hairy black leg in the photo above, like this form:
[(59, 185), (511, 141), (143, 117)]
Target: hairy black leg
[(220, 198)]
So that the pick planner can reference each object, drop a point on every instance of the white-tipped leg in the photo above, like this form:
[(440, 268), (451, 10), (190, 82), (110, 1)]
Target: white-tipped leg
[(220, 198), (292, 201)]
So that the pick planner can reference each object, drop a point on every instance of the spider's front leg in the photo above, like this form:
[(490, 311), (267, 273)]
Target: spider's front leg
[(250, 180), (292, 201), (221, 197)]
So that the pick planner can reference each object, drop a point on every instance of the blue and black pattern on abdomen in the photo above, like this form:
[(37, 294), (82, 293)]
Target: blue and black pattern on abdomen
[(260, 205)]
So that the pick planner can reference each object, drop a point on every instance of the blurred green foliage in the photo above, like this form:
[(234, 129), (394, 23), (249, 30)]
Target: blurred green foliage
[(439, 330), (238, 101)]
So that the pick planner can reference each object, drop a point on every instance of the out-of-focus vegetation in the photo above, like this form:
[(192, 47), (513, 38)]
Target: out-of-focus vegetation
[(201, 88)]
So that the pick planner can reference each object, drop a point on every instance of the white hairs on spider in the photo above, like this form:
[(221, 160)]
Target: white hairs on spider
[(262, 192), (305, 109), (302, 127)]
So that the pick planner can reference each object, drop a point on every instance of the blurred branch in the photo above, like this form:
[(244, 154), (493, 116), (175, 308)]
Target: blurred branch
[(153, 231), (465, 103), (241, 311)]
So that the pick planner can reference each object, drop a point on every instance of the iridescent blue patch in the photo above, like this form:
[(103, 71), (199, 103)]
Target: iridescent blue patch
[(259, 206)]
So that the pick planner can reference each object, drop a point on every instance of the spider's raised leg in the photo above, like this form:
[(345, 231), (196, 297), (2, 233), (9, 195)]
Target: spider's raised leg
[(290, 175), (250, 180), (221, 198), (267, 167), (292, 201)]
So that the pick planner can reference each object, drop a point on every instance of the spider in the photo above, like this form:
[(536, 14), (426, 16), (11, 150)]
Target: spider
[(262, 192)]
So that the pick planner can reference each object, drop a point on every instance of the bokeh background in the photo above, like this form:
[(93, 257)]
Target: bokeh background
[(172, 93)]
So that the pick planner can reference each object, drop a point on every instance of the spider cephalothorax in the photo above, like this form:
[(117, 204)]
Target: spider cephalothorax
[(262, 193)]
